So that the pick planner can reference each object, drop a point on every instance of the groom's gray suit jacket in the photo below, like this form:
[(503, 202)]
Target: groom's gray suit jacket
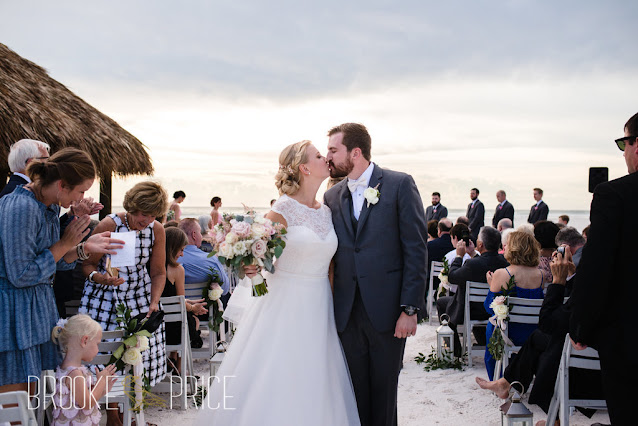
[(386, 255)]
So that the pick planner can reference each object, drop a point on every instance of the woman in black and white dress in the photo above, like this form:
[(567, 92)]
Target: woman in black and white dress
[(139, 287)]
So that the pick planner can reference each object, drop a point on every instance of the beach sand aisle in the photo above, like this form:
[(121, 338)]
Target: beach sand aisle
[(441, 397)]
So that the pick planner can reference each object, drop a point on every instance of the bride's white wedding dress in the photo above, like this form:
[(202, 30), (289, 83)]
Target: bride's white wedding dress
[(285, 364)]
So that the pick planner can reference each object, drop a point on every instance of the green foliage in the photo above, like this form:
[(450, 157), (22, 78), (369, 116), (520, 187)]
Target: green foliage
[(496, 344), (200, 396), (433, 362)]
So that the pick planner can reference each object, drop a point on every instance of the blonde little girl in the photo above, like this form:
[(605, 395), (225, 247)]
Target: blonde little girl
[(77, 392)]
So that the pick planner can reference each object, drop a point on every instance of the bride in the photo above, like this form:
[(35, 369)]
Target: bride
[(285, 365)]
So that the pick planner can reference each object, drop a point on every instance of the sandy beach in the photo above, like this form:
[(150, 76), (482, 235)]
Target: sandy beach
[(441, 397)]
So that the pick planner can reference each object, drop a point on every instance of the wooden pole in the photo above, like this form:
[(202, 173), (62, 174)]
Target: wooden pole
[(105, 194)]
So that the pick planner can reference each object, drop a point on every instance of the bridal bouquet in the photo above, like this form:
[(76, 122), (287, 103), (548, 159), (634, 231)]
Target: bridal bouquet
[(249, 239), (501, 309)]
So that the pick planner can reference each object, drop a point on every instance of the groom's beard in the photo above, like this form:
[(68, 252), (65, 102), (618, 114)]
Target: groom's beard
[(341, 171)]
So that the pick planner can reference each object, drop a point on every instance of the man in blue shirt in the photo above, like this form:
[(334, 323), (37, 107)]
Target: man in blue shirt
[(196, 262)]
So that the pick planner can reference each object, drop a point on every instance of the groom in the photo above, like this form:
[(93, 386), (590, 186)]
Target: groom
[(379, 268)]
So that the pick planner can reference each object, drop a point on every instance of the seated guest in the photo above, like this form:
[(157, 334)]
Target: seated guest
[(438, 247), (460, 232), (585, 232), (175, 242), (504, 224), (504, 236), (563, 219), (569, 236), (436, 211), (463, 220), (545, 233), (474, 269), (196, 262), (540, 355), (206, 224), (20, 155), (433, 230), (522, 253), (526, 227)]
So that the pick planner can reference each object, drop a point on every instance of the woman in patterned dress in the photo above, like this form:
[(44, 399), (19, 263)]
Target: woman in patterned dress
[(30, 252), (138, 287)]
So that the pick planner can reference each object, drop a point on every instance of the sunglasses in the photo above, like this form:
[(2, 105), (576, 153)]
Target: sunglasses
[(627, 139)]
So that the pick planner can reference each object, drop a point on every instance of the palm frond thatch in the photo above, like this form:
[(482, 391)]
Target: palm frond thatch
[(35, 106)]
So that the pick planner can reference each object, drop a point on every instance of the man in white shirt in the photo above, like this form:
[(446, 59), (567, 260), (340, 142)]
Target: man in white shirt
[(20, 155)]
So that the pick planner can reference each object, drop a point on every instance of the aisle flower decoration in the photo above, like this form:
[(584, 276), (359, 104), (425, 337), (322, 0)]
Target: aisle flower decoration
[(249, 239), (444, 285), (500, 306), (212, 294)]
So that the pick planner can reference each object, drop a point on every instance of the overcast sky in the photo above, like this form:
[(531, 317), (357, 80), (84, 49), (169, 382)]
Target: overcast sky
[(494, 94)]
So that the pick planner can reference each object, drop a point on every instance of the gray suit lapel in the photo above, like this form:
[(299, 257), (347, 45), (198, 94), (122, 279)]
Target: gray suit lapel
[(375, 179)]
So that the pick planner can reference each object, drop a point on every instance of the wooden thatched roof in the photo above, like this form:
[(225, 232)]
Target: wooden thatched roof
[(35, 106)]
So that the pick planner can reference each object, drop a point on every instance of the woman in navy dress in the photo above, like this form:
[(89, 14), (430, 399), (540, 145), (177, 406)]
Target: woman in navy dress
[(523, 253), (31, 250)]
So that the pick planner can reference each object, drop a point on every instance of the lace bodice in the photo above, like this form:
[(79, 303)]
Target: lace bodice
[(310, 242)]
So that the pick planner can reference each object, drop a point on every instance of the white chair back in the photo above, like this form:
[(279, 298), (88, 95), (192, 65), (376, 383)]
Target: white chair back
[(561, 401), (524, 311), (435, 269), (474, 292), (20, 412)]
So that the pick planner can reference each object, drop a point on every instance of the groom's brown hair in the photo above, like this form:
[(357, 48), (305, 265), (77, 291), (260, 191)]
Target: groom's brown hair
[(355, 135)]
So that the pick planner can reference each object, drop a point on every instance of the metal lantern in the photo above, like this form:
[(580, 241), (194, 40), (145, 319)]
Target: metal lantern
[(514, 412), (444, 339)]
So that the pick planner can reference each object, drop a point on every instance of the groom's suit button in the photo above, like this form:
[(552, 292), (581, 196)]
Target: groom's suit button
[(357, 250)]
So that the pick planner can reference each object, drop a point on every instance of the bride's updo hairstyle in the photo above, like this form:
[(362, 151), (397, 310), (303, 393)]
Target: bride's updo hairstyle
[(288, 176)]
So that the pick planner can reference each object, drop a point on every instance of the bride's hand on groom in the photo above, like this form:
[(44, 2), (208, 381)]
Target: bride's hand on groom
[(406, 326)]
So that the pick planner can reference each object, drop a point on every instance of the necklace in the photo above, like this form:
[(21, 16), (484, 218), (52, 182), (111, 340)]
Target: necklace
[(126, 221)]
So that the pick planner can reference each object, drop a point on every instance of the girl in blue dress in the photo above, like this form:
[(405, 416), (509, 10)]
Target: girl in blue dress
[(523, 253)]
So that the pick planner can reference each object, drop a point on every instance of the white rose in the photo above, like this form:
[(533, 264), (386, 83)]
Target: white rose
[(215, 293), (231, 238), (239, 248), (132, 356), (501, 311), (258, 230), (371, 195), (443, 278), (260, 219), (226, 250), (142, 343)]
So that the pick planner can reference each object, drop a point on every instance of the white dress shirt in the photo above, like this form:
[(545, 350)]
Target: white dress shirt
[(357, 195)]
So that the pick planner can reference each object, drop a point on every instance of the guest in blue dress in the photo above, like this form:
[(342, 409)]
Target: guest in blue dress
[(523, 253), (31, 250)]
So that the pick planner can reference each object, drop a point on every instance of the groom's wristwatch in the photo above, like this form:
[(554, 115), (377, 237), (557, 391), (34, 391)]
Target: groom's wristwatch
[(410, 310)]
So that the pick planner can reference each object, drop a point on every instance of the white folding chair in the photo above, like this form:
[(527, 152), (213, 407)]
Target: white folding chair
[(20, 411), (474, 292), (586, 359), (522, 311), (194, 291), (435, 269), (44, 396), (111, 341), (174, 308)]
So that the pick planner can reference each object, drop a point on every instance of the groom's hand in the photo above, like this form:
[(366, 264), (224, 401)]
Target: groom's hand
[(406, 326)]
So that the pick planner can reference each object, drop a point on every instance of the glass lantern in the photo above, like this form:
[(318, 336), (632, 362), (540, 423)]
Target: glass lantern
[(514, 412), (444, 339)]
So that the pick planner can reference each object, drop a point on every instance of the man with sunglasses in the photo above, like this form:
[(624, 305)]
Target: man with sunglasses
[(20, 155), (604, 294)]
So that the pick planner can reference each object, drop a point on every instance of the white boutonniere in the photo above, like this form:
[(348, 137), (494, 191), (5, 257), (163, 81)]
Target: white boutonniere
[(372, 195)]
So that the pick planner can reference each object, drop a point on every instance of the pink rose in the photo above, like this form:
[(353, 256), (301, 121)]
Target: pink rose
[(259, 249), (220, 237), (242, 229), (499, 300)]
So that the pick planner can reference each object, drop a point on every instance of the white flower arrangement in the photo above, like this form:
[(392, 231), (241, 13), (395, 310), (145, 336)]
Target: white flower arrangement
[(372, 195)]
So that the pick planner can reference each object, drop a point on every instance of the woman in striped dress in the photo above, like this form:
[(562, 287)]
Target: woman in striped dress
[(139, 287)]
